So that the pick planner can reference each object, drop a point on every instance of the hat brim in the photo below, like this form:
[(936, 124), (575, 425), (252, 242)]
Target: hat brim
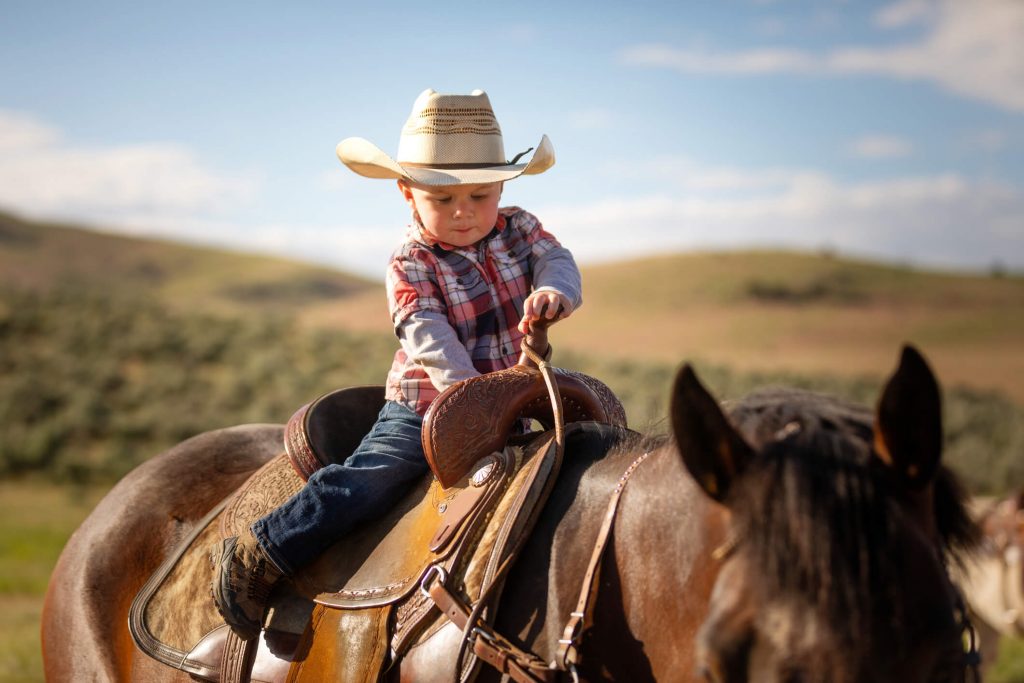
[(367, 159)]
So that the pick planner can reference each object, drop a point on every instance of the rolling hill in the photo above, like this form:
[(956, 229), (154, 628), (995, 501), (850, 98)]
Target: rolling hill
[(41, 256), (805, 313)]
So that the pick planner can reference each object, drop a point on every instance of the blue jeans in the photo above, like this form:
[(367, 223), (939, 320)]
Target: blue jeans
[(339, 497)]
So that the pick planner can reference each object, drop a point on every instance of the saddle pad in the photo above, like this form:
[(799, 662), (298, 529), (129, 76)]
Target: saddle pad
[(173, 618), (174, 610)]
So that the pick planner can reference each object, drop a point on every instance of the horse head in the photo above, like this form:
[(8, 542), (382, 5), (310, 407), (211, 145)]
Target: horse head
[(841, 524)]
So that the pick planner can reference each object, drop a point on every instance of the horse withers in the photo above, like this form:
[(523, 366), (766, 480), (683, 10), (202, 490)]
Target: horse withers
[(780, 539)]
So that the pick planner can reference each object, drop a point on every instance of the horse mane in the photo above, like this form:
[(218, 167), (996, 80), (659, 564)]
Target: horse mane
[(818, 514)]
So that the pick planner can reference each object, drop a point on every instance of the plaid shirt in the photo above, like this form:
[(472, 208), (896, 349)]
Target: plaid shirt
[(480, 288)]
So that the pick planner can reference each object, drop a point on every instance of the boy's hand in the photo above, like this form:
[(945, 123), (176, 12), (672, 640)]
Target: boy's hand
[(547, 304)]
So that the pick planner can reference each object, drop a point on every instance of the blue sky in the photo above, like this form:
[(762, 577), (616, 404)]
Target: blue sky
[(891, 130)]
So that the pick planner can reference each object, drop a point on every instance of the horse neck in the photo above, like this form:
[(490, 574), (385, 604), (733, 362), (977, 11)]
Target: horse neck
[(659, 571)]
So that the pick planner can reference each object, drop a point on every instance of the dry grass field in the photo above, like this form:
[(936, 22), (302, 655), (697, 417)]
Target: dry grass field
[(779, 312), (811, 314), (36, 519)]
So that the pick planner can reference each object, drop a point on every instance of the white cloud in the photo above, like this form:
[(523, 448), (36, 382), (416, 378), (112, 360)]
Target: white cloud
[(943, 219), (20, 132), (166, 190), (903, 13), (362, 249), (41, 174), (974, 49), (880, 147), (691, 177)]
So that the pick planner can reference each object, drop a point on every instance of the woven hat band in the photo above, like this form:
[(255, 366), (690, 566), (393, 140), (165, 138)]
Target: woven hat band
[(452, 120)]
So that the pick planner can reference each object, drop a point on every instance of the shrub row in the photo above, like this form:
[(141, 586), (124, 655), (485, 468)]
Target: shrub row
[(91, 384)]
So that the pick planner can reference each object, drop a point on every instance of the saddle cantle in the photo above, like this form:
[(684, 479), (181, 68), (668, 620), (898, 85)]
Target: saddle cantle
[(366, 584), (330, 428)]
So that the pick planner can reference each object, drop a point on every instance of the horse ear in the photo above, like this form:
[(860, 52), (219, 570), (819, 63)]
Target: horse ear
[(908, 421), (712, 449)]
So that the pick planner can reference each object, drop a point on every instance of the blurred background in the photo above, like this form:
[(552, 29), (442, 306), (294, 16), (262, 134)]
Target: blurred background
[(780, 191)]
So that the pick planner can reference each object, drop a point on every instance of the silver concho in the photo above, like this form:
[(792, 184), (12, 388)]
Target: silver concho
[(487, 467)]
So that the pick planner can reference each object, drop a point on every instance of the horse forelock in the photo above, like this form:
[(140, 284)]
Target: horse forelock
[(816, 525), (762, 415)]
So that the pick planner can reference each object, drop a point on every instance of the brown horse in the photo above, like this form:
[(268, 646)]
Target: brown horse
[(813, 549), (993, 580)]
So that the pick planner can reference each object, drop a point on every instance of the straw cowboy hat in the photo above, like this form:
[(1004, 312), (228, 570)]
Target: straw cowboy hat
[(447, 140)]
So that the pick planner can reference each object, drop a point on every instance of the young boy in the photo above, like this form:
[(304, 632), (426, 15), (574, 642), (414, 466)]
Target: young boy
[(462, 290)]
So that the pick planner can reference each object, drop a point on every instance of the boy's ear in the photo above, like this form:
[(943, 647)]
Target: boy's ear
[(404, 188)]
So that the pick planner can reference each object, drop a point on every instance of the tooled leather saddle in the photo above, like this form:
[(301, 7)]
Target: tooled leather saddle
[(481, 502)]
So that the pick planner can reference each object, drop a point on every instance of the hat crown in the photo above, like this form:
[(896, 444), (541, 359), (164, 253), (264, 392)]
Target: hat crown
[(451, 131)]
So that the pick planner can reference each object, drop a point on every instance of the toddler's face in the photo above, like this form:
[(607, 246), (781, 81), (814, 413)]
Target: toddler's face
[(459, 215)]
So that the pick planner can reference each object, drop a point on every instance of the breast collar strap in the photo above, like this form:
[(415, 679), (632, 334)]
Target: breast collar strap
[(567, 655)]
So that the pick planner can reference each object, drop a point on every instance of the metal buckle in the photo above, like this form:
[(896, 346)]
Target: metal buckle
[(577, 627), (432, 570), (480, 633)]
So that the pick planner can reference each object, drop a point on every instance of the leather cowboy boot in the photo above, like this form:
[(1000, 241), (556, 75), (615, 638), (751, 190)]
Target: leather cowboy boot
[(242, 578)]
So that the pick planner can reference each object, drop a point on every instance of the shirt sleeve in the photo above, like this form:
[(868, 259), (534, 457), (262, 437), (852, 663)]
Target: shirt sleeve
[(412, 287), (430, 341), (553, 266)]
